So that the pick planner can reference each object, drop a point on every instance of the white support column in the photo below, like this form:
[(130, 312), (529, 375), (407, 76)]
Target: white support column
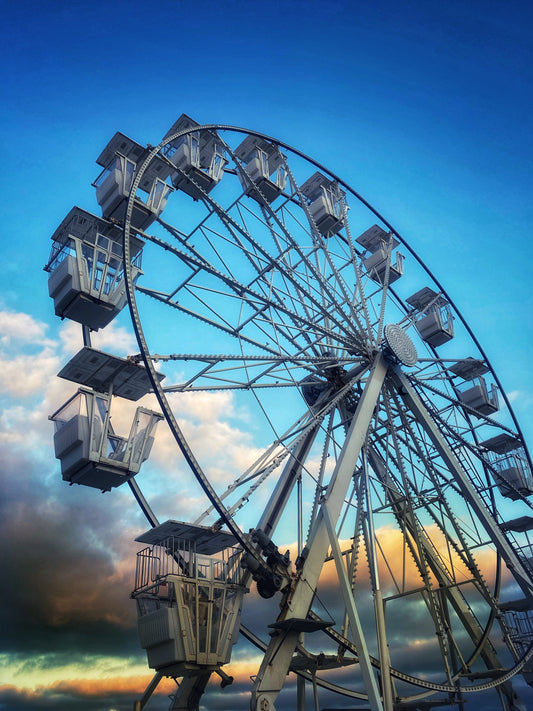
[(285, 486), (300, 681), (374, 697), (278, 656), (384, 658), (152, 686)]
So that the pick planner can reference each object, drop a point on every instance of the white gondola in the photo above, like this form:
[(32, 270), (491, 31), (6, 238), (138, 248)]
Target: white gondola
[(113, 188), (433, 316), (480, 397), (508, 458), (86, 269), (120, 159), (380, 246), (189, 594), (477, 394), (264, 176), (199, 157), (89, 450), (326, 203)]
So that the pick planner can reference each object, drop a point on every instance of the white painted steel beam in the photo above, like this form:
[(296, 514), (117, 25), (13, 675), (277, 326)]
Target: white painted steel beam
[(371, 686), (278, 656)]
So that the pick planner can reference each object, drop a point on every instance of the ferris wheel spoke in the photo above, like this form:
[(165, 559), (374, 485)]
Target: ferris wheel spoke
[(423, 448), (359, 291), (427, 559), (451, 587), (274, 263), (209, 233), (277, 503), (294, 443), (223, 386), (468, 489), (258, 303), (336, 274), (249, 370), (353, 560), (164, 298), (288, 276), (285, 330), (442, 515), (313, 274), (194, 259), (384, 292), (221, 377), (319, 487), (299, 454), (329, 310), (263, 266)]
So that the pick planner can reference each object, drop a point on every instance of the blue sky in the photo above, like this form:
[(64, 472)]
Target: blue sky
[(422, 107)]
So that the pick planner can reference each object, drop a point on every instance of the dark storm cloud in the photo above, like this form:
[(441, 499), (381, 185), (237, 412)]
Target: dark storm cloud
[(13, 699), (66, 568)]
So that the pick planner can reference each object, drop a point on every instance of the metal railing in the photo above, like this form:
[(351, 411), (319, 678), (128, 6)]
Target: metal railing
[(178, 556)]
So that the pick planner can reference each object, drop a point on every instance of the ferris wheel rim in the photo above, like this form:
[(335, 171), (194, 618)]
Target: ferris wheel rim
[(415, 681)]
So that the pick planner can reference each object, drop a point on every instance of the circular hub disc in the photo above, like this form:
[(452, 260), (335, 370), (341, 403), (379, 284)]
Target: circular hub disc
[(399, 344)]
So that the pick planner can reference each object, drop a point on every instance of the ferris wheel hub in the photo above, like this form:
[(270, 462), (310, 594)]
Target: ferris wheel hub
[(398, 345)]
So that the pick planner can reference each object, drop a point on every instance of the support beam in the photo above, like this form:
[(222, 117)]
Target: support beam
[(384, 658), (297, 602), (413, 531), (284, 488), (152, 686), (190, 691), (415, 404), (371, 686)]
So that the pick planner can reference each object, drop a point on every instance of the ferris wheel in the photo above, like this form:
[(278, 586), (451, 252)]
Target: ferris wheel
[(375, 544)]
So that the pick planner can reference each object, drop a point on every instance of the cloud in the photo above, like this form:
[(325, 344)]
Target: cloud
[(20, 327), (70, 568), (69, 551), (115, 693), (521, 400), (26, 375), (28, 358)]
